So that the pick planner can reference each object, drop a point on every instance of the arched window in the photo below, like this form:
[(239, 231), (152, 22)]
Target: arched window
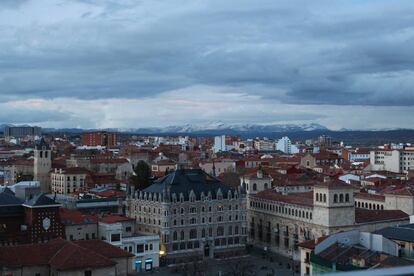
[(182, 235), (370, 206), (203, 233), (254, 187), (341, 198), (236, 230), (317, 197), (324, 197), (382, 207), (335, 198), (378, 207), (347, 198), (175, 236)]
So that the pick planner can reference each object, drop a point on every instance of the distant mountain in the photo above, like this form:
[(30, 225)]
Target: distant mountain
[(219, 127)]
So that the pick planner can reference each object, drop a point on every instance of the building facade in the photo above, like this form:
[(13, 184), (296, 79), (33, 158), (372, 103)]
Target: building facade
[(120, 231), (21, 132), (398, 161), (285, 145), (196, 216), (280, 221), (99, 138), (68, 180)]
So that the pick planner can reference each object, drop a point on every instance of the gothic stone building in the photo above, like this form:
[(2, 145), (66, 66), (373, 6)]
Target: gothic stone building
[(279, 221), (196, 216)]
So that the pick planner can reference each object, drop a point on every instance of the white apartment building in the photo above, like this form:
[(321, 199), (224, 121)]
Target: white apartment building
[(398, 161), (120, 231), (221, 145), (285, 145)]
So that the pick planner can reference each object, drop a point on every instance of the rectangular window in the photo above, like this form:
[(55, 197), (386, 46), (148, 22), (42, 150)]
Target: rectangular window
[(115, 237), (140, 248)]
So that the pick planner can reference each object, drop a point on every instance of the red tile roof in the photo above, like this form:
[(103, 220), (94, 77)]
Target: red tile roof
[(366, 216), (62, 255), (75, 217), (105, 249), (334, 184), (111, 193), (406, 191), (114, 218), (294, 198), (310, 244), (72, 256)]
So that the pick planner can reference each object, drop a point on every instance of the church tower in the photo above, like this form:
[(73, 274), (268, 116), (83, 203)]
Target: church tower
[(42, 165), (333, 204)]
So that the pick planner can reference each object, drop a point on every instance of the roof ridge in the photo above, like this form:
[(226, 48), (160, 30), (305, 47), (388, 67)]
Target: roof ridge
[(58, 251)]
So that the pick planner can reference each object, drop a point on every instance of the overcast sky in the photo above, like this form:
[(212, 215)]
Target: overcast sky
[(132, 63)]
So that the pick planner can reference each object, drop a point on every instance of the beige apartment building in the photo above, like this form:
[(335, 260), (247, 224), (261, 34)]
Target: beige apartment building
[(68, 180)]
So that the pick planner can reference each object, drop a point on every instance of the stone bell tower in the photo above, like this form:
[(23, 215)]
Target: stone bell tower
[(42, 165), (333, 204)]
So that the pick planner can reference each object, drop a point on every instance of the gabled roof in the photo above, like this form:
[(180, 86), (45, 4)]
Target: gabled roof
[(103, 248), (62, 255), (72, 256)]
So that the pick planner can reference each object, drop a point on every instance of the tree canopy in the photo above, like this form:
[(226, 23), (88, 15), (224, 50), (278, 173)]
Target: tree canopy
[(141, 178)]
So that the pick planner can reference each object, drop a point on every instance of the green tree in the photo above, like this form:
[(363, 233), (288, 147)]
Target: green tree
[(141, 177)]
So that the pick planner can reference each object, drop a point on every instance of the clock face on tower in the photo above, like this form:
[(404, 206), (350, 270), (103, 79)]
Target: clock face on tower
[(46, 223)]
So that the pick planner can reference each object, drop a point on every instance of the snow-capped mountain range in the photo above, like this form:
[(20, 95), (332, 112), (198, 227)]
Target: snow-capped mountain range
[(231, 128)]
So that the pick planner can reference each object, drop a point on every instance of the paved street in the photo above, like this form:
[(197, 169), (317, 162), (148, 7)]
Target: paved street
[(256, 263)]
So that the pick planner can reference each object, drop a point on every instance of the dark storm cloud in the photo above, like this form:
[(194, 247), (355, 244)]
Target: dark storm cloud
[(325, 52)]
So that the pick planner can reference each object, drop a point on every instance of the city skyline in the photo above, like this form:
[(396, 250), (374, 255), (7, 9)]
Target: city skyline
[(110, 64)]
